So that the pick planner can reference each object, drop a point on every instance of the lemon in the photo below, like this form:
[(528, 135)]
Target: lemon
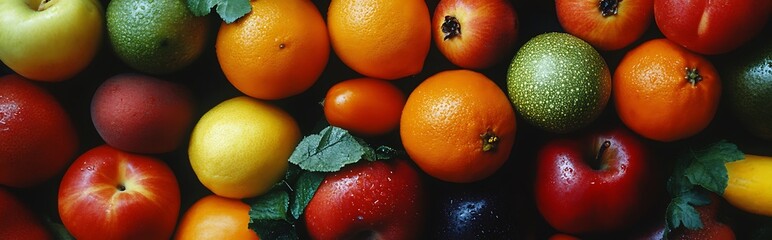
[(155, 36), (241, 147)]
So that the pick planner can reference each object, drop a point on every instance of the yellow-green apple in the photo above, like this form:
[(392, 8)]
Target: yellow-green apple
[(598, 182), (368, 200), (49, 40), (111, 194), (17, 221), (37, 137), (605, 24), (142, 114), (475, 34)]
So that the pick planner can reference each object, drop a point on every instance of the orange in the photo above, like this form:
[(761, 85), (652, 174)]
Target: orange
[(664, 92), (215, 217), (458, 126), (387, 39), (278, 50)]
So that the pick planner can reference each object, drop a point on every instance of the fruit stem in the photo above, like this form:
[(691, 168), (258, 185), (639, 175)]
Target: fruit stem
[(598, 164), (693, 76), (489, 141), (608, 7), (451, 27), (43, 5)]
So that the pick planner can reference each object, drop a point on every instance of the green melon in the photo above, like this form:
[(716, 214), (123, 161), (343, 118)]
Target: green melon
[(749, 89), (558, 82)]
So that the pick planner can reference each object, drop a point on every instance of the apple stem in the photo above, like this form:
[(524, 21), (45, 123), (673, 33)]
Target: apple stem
[(451, 27), (489, 141), (608, 7), (598, 161), (121, 187), (693, 76), (43, 5)]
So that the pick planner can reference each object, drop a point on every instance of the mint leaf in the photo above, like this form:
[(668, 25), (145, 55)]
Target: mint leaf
[(271, 206), (327, 151), (707, 168), (305, 188), (274, 229), (229, 10)]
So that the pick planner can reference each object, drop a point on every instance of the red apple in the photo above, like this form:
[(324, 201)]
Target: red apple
[(598, 182), (37, 138), (475, 34), (368, 200), (17, 221), (110, 194), (142, 114), (605, 24), (711, 26)]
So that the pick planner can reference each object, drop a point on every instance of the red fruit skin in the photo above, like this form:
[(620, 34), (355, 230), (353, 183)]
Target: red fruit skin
[(364, 106), (574, 198), (488, 32), (560, 236), (583, 18), (92, 206), (382, 199), (17, 221), (142, 114), (37, 137), (711, 26)]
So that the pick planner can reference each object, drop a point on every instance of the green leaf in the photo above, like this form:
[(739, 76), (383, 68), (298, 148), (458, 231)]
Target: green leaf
[(58, 230), (707, 167), (327, 151), (274, 229), (697, 169), (305, 188), (201, 7), (380, 153), (229, 10), (271, 206), (681, 210)]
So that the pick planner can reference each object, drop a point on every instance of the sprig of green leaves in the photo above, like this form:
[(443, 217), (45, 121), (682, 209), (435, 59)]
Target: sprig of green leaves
[(274, 214), (695, 170), (229, 10)]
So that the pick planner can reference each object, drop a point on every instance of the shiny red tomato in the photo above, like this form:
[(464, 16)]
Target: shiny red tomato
[(711, 26), (364, 106)]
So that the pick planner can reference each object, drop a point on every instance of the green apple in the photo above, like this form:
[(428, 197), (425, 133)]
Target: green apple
[(49, 40)]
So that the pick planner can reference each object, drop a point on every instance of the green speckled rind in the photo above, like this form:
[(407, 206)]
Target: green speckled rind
[(749, 89), (558, 82), (155, 36)]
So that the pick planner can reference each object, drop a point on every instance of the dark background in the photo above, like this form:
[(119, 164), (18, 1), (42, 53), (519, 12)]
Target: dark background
[(513, 181)]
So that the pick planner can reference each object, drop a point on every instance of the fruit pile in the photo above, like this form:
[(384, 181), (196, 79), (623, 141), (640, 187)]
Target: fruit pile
[(385, 119)]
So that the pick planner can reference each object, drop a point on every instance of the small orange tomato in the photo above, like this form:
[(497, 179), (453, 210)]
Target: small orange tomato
[(364, 106)]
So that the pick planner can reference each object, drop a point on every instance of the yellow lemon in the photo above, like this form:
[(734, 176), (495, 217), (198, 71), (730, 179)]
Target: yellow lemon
[(240, 148)]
